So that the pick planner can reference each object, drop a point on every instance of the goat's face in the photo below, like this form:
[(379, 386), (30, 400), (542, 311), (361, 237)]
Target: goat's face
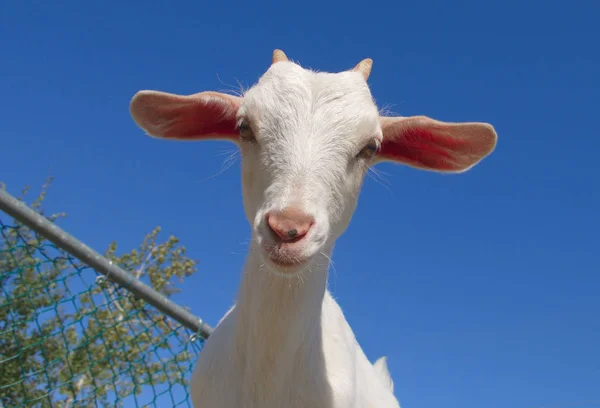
[(307, 140)]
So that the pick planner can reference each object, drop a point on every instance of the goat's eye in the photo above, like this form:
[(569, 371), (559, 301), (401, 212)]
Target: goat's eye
[(246, 132), (369, 150)]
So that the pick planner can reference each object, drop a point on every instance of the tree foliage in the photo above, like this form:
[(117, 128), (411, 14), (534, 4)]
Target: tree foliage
[(71, 337)]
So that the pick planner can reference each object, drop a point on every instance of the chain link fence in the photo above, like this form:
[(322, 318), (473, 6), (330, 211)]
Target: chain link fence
[(78, 331)]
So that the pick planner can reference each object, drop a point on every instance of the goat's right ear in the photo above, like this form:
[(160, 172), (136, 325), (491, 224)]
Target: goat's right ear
[(202, 116)]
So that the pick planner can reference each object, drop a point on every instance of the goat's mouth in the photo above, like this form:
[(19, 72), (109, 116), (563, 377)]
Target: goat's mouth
[(284, 255)]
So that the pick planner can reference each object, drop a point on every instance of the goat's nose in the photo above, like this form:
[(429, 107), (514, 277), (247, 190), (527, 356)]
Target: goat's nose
[(290, 224)]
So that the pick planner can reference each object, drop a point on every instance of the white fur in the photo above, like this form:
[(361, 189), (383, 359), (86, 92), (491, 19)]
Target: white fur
[(286, 342)]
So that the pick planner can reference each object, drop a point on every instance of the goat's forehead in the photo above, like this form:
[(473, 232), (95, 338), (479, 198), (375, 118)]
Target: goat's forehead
[(288, 90)]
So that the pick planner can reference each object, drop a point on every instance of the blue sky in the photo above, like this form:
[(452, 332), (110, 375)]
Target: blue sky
[(482, 288)]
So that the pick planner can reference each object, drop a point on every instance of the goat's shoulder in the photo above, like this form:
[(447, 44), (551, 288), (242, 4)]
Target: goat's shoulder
[(353, 378), (214, 365)]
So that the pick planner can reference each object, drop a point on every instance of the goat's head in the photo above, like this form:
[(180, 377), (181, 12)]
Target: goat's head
[(307, 140)]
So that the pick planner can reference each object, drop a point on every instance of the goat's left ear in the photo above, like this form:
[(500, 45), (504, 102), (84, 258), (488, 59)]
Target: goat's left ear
[(428, 144), (206, 115)]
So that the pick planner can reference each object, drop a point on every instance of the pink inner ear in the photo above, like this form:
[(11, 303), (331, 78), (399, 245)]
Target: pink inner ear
[(207, 115), (424, 148), (213, 118), (428, 144)]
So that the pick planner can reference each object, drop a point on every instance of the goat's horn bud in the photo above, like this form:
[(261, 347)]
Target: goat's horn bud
[(279, 56), (364, 67)]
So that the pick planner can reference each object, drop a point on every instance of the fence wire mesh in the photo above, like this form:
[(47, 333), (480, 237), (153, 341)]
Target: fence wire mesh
[(69, 337)]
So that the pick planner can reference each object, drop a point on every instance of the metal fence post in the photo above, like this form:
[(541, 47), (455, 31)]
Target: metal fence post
[(21, 212)]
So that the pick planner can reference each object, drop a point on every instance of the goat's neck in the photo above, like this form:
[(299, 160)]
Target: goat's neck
[(278, 317)]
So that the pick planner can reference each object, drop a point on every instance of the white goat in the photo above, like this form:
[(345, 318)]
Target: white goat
[(307, 140)]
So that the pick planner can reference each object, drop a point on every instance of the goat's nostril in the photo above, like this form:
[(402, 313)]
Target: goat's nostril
[(289, 224)]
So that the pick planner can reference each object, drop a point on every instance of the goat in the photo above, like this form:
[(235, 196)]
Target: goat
[(307, 139)]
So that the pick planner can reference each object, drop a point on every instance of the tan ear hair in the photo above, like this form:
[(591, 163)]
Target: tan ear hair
[(364, 67), (279, 56)]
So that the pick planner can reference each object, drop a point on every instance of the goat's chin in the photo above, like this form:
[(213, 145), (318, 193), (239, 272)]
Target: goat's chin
[(284, 260), (285, 272)]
